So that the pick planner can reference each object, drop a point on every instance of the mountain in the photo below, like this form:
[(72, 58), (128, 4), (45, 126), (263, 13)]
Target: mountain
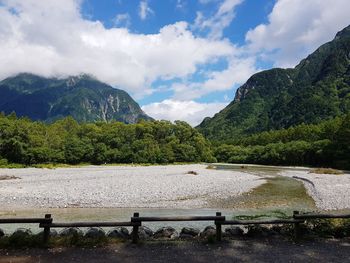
[(318, 88), (82, 97)]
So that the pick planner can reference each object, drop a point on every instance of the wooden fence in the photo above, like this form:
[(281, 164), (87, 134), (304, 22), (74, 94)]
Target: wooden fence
[(136, 221)]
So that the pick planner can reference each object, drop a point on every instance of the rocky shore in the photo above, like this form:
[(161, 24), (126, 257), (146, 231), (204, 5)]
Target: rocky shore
[(172, 186), (330, 191)]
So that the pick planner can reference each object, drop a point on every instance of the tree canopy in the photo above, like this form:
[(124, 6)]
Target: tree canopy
[(66, 141), (323, 144)]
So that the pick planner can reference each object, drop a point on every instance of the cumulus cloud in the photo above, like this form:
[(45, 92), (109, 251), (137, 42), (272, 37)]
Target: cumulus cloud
[(144, 10), (237, 72), (220, 20), (189, 111), (51, 38), (295, 28)]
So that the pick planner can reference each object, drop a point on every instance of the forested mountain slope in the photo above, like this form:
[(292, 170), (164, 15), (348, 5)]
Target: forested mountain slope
[(82, 97), (315, 90)]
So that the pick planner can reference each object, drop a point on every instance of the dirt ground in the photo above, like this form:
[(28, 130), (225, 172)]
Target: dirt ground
[(242, 250)]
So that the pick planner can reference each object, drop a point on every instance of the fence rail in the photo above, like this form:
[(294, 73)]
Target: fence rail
[(178, 218), (136, 221), (88, 224)]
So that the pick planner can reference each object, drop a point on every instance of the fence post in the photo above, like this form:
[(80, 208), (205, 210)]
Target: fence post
[(296, 226), (218, 228), (135, 229), (48, 221)]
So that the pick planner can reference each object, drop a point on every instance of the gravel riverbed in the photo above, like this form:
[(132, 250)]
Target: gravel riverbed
[(122, 186), (330, 191)]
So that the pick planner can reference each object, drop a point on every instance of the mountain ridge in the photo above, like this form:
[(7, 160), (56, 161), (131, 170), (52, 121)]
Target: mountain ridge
[(83, 97), (318, 88)]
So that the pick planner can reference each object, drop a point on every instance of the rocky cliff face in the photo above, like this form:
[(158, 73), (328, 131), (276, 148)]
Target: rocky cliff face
[(82, 97)]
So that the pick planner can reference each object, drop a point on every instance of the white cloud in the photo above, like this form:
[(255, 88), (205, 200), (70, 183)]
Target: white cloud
[(122, 20), (51, 38), (144, 10), (189, 111), (297, 27), (237, 72), (218, 22)]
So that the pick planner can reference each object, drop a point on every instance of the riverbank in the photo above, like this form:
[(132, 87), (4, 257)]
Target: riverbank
[(329, 191), (170, 186), (190, 186)]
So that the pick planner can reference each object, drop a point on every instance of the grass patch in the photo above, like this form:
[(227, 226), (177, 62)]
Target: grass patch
[(12, 165), (4, 164), (58, 165), (326, 171), (273, 214)]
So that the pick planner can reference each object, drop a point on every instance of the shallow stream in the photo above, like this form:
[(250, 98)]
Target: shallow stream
[(278, 193)]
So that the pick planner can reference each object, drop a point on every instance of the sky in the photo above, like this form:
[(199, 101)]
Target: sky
[(179, 59)]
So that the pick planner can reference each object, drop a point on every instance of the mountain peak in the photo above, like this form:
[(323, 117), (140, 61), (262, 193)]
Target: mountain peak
[(343, 33), (23, 76), (318, 88), (83, 97), (73, 80)]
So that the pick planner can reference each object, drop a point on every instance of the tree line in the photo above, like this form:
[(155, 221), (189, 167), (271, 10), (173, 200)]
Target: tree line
[(323, 144), (66, 141), (27, 142)]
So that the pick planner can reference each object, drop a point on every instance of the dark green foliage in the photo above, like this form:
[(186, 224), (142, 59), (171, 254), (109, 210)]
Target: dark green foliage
[(325, 144), (315, 90), (82, 97), (341, 145), (337, 228), (273, 214), (23, 141), (21, 239), (290, 116)]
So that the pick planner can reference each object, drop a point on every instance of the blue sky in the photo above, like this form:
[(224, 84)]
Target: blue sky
[(179, 59), (248, 15)]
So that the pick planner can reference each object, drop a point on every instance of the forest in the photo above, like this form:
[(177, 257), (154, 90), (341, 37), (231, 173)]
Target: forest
[(66, 141), (326, 144), (23, 141)]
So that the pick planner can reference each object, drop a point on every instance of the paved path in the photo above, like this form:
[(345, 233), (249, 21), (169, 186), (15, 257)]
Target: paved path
[(249, 250)]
